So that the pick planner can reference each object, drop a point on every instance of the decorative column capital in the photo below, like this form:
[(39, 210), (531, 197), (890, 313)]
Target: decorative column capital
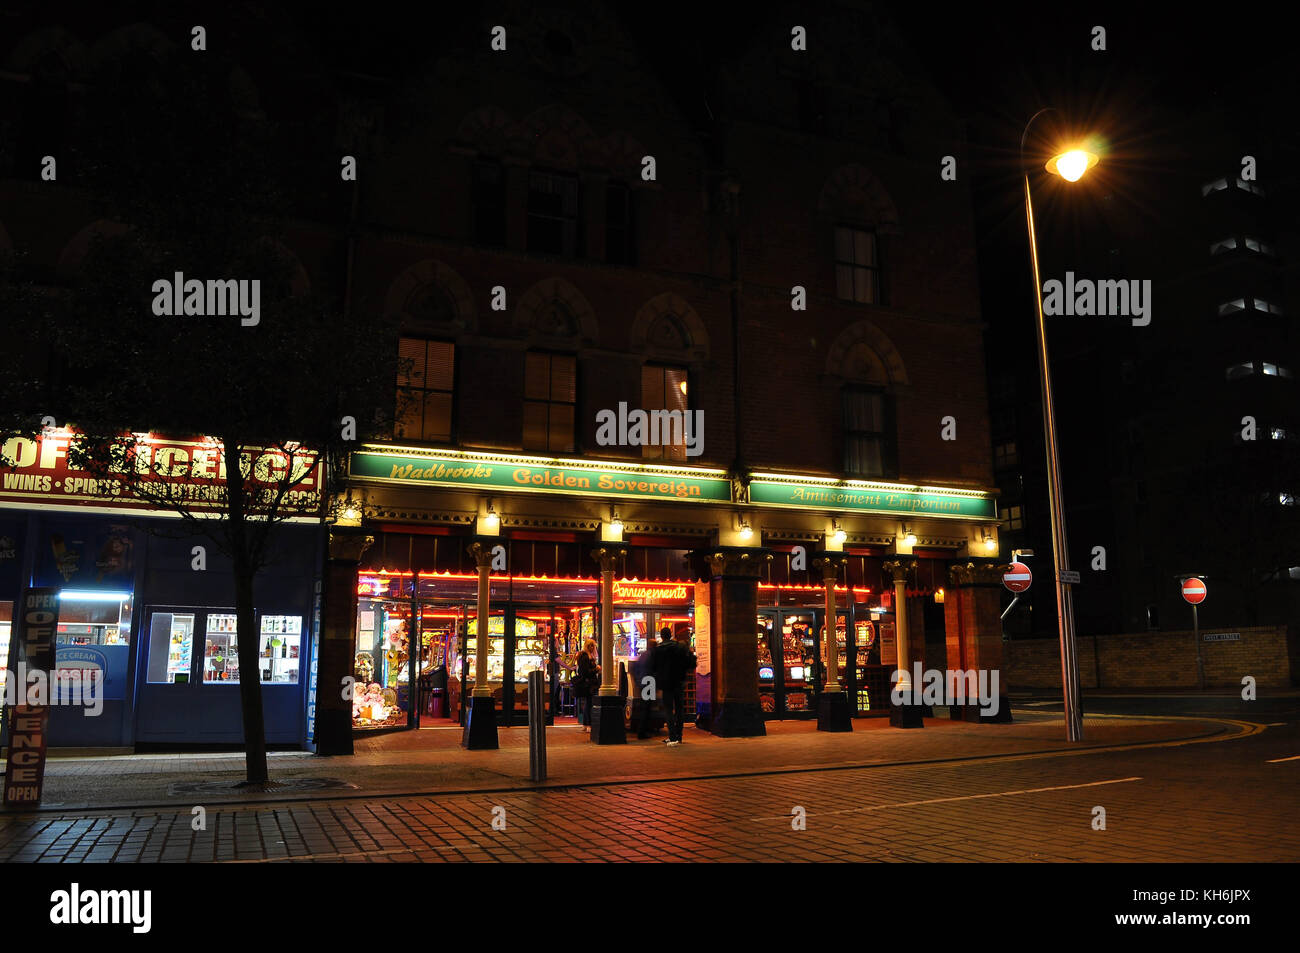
[(901, 568), (481, 550), (608, 556), (740, 562), (830, 563), (348, 546), (972, 573)]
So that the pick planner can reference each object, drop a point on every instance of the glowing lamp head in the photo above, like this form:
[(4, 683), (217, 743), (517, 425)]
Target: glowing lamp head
[(350, 513), (910, 539), (990, 543), (616, 526), (1072, 165), (840, 536), (746, 531)]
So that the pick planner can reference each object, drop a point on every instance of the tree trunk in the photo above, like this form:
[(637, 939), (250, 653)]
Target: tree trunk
[(250, 673)]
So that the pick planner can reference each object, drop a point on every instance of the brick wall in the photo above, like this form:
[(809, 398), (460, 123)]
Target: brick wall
[(1156, 660)]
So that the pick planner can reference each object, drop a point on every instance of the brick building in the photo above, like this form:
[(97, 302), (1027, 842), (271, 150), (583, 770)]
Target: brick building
[(579, 226)]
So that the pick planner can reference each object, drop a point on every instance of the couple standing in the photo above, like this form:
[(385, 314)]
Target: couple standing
[(667, 664)]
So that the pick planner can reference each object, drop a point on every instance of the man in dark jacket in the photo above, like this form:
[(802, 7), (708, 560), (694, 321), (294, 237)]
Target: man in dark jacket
[(642, 667), (672, 660)]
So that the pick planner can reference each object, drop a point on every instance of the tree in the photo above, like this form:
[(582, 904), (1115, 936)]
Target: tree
[(278, 392)]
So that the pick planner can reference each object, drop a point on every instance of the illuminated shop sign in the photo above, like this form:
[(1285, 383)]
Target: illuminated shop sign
[(528, 474), (191, 472), (482, 471), (864, 497), (650, 593)]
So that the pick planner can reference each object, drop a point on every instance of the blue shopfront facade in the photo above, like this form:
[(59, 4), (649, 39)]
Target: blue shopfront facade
[(150, 621)]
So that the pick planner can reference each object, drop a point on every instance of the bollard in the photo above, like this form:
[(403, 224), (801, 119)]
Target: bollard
[(537, 725)]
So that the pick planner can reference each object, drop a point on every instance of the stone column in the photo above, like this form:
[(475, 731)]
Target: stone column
[(481, 725), (734, 572), (972, 612), (338, 640), (833, 711), (907, 714), (607, 724)]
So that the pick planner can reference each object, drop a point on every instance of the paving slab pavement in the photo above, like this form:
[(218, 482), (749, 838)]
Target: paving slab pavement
[(431, 760)]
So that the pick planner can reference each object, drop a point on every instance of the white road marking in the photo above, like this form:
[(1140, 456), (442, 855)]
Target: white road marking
[(947, 800)]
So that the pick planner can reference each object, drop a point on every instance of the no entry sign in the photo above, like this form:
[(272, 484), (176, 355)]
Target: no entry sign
[(1018, 578), (1194, 590)]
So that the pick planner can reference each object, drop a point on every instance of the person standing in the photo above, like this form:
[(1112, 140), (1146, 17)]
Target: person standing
[(586, 682), (672, 660), (643, 709)]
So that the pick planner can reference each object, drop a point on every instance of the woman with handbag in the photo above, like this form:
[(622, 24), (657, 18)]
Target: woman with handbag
[(586, 683)]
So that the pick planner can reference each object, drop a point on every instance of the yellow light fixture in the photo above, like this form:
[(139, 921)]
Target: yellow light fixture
[(350, 513), (682, 385), (492, 519), (908, 536), (840, 535), (989, 542), (1072, 165), (938, 596), (615, 523)]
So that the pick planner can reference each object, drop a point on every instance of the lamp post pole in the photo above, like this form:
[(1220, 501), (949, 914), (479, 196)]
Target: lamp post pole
[(1060, 551)]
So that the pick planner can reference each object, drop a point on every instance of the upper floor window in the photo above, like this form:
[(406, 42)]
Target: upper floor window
[(550, 401), (1233, 306), (1003, 422), (1237, 371), (1218, 185), (426, 373), (1254, 244), (1226, 244), (1249, 187), (1275, 370), (868, 433), (620, 245), (1011, 518), (1005, 455), (489, 203), (665, 389), (1262, 305), (553, 218), (857, 268)]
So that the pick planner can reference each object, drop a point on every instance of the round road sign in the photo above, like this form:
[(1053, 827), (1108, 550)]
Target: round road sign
[(1018, 578), (1194, 590)]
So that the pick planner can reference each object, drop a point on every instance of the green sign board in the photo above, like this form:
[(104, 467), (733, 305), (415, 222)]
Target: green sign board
[(523, 474), (871, 499)]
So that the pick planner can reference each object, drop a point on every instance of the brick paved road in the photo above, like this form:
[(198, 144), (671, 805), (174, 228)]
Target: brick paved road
[(1217, 801)]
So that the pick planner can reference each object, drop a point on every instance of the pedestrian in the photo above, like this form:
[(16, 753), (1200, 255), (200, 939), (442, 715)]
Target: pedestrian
[(672, 661), (643, 708), (586, 683)]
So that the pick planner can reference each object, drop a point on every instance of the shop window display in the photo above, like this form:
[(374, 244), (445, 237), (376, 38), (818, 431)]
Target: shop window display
[(766, 669), (383, 648), (6, 626)]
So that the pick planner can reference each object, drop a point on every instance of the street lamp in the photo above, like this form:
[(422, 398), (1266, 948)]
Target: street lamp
[(1070, 165)]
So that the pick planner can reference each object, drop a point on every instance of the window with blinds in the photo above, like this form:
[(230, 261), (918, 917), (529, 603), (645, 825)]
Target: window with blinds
[(550, 401), (426, 376), (664, 388)]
